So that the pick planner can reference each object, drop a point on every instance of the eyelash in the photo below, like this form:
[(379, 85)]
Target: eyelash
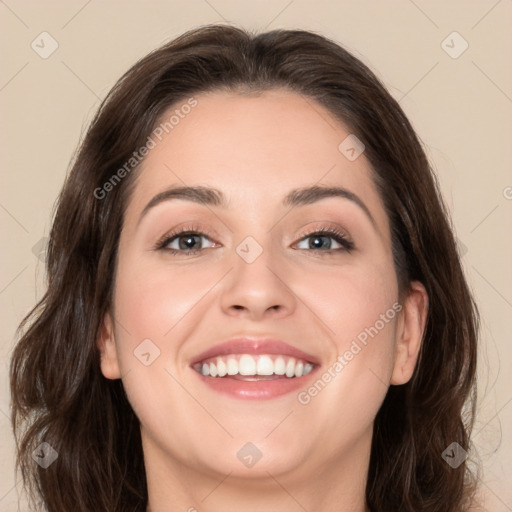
[(338, 236)]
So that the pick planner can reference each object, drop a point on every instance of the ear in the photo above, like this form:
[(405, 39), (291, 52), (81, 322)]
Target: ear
[(410, 329), (107, 346)]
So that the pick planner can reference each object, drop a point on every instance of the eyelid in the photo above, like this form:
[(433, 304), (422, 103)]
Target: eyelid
[(326, 227), (182, 230), (328, 230)]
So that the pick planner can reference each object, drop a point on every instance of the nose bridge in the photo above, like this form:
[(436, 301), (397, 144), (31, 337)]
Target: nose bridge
[(258, 280)]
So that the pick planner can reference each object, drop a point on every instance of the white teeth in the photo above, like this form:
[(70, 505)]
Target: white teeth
[(221, 368), (290, 368), (279, 366), (248, 365), (232, 366), (265, 366)]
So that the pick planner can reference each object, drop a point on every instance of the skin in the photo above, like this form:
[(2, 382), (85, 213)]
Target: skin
[(314, 456)]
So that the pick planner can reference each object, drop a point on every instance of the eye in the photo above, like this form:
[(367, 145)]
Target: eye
[(185, 241), (326, 240), (190, 240)]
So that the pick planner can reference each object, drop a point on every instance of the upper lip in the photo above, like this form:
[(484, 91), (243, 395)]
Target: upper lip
[(245, 345)]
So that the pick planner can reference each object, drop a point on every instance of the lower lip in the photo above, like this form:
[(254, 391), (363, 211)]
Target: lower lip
[(255, 390)]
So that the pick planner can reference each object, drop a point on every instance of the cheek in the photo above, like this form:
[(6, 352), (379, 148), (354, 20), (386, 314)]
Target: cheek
[(366, 338), (352, 300), (154, 309), (151, 298), (360, 309)]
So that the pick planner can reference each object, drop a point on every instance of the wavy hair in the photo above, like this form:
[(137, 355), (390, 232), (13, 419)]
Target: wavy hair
[(58, 392)]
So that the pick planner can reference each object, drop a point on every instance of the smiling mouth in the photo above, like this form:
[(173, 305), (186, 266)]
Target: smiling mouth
[(247, 367)]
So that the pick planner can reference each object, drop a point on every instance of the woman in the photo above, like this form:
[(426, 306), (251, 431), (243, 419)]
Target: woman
[(255, 300)]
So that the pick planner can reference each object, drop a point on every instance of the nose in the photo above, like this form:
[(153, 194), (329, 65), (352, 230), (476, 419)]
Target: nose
[(258, 289)]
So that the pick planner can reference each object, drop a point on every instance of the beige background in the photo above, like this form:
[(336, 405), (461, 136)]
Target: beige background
[(461, 108)]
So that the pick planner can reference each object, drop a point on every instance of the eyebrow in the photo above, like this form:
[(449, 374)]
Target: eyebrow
[(210, 196)]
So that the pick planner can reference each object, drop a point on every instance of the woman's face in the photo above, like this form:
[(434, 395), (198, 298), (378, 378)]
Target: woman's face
[(254, 289)]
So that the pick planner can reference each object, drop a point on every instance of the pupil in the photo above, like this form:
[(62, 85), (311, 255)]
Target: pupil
[(318, 241), (188, 242)]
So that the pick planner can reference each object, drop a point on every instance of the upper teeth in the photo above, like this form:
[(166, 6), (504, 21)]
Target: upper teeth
[(246, 364)]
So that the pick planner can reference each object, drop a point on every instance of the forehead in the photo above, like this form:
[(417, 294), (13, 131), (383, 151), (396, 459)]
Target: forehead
[(255, 148)]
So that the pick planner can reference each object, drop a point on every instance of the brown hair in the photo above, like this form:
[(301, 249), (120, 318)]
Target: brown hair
[(58, 392)]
